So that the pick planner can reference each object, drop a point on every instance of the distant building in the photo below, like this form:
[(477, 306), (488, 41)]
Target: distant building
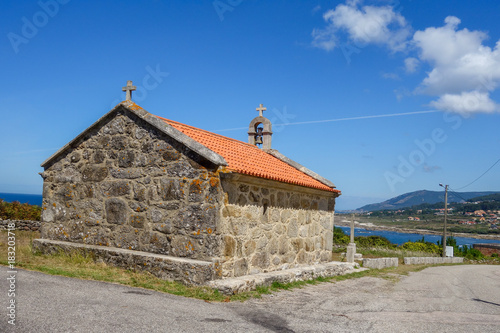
[(479, 213)]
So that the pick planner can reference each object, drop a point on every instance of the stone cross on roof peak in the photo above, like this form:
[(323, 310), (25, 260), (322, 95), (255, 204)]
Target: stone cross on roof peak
[(129, 88), (260, 109)]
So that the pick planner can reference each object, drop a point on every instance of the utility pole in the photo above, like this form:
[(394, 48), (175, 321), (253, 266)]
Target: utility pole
[(445, 216)]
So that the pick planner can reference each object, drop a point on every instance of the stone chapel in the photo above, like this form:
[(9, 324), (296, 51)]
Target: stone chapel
[(202, 206)]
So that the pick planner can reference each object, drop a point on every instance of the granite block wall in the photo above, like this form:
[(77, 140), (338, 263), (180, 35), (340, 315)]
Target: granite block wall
[(127, 185), (267, 228)]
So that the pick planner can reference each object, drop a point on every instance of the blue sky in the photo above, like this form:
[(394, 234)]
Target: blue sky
[(381, 97)]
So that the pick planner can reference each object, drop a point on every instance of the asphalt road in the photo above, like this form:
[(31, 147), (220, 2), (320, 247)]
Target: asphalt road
[(439, 299)]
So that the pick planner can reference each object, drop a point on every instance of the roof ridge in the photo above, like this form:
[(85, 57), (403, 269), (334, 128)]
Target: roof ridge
[(206, 131)]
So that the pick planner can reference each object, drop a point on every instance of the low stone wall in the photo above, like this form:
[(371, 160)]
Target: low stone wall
[(240, 284), (184, 270), (432, 260), (380, 263), (487, 249), (21, 224)]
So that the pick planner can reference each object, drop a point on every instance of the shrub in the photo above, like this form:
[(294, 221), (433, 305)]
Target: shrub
[(421, 247), (19, 211), (373, 241), (474, 254), (339, 236)]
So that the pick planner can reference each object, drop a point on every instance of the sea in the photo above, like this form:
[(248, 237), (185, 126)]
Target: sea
[(32, 199), (400, 238)]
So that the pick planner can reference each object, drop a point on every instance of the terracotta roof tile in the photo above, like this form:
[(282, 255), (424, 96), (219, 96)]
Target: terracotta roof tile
[(247, 159)]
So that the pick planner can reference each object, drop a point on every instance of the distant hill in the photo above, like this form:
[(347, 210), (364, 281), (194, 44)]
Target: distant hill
[(489, 197), (420, 197)]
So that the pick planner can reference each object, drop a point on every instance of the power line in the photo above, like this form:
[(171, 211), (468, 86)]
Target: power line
[(475, 180), (456, 193), (337, 119)]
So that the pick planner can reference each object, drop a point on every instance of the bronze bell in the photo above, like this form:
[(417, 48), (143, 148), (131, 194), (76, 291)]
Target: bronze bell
[(258, 140)]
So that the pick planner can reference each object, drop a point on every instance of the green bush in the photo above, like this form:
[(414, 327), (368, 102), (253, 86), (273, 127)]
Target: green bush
[(421, 247), (373, 241), (474, 254), (339, 237), (19, 211)]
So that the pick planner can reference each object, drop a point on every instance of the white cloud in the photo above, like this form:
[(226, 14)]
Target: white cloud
[(411, 64), (445, 44), (466, 102), (460, 60), (464, 70), (365, 25)]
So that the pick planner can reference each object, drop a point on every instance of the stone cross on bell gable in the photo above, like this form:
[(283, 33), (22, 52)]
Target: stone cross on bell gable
[(129, 88), (260, 109)]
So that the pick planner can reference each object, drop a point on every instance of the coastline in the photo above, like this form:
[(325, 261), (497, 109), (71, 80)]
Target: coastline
[(343, 222)]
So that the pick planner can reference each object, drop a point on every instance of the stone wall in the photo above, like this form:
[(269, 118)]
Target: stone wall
[(127, 185), (21, 225), (269, 225), (432, 260), (379, 263)]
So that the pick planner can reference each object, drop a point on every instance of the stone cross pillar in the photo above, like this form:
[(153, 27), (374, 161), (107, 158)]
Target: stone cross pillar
[(351, 248), (129, 88), (352, 229)]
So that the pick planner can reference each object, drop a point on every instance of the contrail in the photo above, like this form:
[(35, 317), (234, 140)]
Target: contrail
[(337, 119)]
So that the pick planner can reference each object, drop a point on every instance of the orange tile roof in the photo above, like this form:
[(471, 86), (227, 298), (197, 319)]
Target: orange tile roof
[(247, 159)]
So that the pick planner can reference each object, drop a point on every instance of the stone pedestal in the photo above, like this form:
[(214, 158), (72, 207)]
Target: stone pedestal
[(351, 251)]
